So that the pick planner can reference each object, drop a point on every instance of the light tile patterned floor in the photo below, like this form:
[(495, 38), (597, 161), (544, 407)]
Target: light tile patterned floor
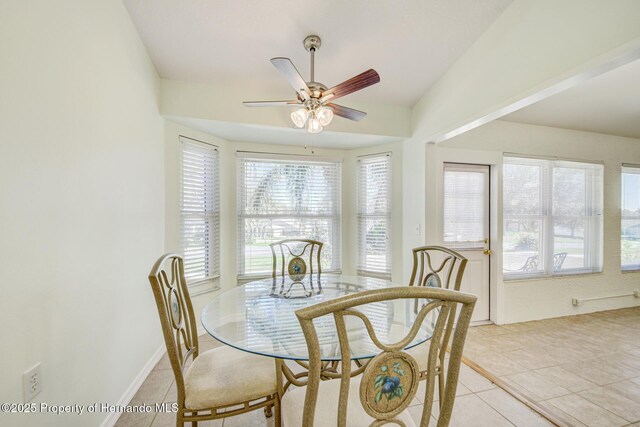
[(585, 368), (479, 403)]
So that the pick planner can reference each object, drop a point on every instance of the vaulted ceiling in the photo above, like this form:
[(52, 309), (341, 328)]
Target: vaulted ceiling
[(411, 43), (607, 104)]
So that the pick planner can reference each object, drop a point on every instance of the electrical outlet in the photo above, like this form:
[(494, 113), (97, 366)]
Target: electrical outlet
[(32, 382)]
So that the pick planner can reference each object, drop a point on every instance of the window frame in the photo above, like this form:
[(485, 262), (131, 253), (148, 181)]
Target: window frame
[(335, 217), (212, 251), (362, 216), (593, 222), (626, 268)]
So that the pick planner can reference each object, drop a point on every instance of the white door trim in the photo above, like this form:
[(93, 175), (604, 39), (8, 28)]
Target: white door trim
[(436, 156)]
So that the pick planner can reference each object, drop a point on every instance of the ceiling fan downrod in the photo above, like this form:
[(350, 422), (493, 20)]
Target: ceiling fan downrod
[(312, 43)]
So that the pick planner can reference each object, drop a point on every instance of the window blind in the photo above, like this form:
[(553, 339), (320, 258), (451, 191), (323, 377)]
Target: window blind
[(630, 221), (466, 210), (374, 215), (280, 198), (552, 217), (199, 210)]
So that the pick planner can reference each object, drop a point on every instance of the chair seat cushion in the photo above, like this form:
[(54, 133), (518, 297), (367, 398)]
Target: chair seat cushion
[(225, 376), (327, 406)]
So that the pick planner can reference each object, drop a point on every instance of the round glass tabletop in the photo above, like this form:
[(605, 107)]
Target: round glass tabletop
[(259, 317)]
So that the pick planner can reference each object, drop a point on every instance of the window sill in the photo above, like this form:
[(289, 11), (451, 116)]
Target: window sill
[(634, 269), (552, 277), (204, 286), (374, 275)]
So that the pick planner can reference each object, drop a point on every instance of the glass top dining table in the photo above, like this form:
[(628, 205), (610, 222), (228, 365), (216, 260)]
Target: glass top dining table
[(259, 317)]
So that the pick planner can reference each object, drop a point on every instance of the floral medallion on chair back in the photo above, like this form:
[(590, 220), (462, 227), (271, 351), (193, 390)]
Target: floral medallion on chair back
[(432, 280), (174, 308), (297, 268), (389, 383)]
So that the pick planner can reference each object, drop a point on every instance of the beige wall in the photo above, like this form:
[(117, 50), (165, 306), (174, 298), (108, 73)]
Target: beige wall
[(546, 297), (81, 204)]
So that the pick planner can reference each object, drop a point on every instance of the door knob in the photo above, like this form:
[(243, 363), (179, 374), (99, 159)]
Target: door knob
[(487, 252)]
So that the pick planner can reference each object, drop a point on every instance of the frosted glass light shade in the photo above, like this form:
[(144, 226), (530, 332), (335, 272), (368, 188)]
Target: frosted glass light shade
[(299, 117), (325, 115), (314, 125)]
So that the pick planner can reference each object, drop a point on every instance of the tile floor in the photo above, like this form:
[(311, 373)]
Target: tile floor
[(479, 403), (585, 368)]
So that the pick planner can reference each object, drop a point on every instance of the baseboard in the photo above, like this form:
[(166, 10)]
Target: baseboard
[(112, 418)]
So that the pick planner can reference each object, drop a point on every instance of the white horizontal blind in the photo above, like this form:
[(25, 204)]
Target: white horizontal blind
[(630, 224), (552, 217), (466, 209), (285, 199), (200, 210), (374, 215)]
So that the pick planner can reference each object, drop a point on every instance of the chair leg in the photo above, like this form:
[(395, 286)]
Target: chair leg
[(278, 418), (179, 419), (267, 411)]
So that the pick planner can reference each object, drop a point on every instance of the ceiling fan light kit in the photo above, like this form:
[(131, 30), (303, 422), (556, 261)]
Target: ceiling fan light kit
[(313, 97)]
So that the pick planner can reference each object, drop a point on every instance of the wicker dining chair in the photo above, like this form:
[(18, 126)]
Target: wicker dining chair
[(439, 267), (296, 257), (217, 383), (390, 380)]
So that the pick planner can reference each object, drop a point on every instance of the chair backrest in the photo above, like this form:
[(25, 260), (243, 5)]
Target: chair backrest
[(296, 257), (531, 264), (176, 314), (437, 267), (558, 260), (390, 380)]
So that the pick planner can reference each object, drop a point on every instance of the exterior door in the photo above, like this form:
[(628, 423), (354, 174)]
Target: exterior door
[(466, 227)]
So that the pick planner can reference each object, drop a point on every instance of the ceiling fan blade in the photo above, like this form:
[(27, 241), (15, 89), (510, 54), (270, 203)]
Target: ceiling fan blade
[(289, 71), (346, 112), (366, 79), (271, 103)]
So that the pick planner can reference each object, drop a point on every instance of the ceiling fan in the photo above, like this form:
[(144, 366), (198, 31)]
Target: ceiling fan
[(313, 97)]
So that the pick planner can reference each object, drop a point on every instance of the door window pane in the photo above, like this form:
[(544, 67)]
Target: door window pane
[(465, 205)]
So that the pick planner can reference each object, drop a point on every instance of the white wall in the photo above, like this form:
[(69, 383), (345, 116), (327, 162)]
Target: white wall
[(81, 203), (547, 297)]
